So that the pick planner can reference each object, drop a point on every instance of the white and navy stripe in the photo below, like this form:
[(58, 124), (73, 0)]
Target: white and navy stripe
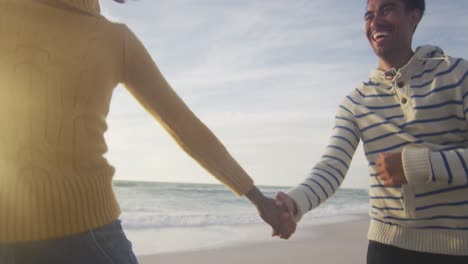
[(433, 116)]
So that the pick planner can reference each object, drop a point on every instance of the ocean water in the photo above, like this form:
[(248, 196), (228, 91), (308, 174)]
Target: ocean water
[(155, 205), (166, 217)]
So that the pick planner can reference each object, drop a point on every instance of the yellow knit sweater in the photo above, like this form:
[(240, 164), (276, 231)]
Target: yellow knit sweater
[(59, 63)]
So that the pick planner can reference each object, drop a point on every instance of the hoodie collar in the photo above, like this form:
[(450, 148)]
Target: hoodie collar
[(90, 7), (421, 54)]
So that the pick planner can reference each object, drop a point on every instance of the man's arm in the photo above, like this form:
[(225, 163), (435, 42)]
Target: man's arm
[(328, 174), (419, 165)]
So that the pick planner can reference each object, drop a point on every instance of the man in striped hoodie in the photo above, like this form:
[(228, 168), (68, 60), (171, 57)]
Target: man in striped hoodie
[(412, 118)]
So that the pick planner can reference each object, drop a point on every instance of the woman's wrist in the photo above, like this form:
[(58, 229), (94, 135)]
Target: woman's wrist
[(255, 196)]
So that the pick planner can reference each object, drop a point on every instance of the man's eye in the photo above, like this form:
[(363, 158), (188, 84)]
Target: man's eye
[(387, 10)]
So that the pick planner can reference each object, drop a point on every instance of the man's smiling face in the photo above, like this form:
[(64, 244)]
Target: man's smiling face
[(389, 27)]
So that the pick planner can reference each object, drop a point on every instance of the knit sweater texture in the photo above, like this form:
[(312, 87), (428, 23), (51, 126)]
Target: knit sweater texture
[(422, 112), (60, 61)]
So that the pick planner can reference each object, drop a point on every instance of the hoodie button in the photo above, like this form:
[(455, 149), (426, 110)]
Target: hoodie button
[(401, 84), (404, 100)]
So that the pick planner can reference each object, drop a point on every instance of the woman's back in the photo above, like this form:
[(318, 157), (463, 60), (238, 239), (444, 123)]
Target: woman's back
[(59, 63)]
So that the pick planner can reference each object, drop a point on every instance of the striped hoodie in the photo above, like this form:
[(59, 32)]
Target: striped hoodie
[(421, 111)]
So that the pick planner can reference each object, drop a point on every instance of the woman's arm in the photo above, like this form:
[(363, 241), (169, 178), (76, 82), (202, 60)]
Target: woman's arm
[(144, 80)]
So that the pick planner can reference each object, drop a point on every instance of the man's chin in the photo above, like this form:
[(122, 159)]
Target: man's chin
[(381, 52)]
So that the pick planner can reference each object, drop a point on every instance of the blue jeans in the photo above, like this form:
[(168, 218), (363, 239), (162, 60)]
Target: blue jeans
[(103, 245)]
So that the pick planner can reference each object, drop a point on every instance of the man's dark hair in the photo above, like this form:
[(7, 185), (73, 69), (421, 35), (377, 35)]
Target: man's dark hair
[(415, 4), (412, 4)]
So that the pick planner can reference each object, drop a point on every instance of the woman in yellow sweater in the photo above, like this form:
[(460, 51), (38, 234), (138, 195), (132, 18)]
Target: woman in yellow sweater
[(60, 61)]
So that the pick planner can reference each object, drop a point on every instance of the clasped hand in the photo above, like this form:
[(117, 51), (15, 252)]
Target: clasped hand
[(279, 214)]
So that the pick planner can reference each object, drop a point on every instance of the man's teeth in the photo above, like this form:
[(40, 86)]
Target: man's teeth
[(380, 34)]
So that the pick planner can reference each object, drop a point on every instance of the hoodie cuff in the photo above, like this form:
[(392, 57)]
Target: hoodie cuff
[(300, 200), (416, 164)]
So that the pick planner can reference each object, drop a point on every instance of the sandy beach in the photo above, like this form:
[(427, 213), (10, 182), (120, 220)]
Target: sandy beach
[(325, 243)]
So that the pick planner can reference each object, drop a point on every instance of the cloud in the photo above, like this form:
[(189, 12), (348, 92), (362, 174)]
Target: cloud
[(445, 25), (265, 76), (255, 73)]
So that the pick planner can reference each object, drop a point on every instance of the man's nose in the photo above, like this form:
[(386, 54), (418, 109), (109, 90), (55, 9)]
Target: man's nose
[(378, 18)]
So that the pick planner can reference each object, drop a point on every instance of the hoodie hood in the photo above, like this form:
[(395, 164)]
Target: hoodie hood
[(420, 57)]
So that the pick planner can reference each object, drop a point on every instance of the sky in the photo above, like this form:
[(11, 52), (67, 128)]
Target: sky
[(266, 76)]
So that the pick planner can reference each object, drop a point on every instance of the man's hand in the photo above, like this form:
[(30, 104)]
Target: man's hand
[(283, 199), (278, 217), (390, 169), (288, 223), (272, 214)]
